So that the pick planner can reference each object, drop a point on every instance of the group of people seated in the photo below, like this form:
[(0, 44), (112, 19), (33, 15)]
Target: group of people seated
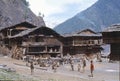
[(54, 63)]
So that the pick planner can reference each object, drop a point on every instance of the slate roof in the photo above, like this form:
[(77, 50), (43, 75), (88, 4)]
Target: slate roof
[(26, 24), (23, 33), (28, 31), (82, 33), (113, 28)]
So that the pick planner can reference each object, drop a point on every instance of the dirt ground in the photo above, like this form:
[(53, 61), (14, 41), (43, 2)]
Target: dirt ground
[(104, 71)]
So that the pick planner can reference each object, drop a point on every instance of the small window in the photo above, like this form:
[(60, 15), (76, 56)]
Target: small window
[(39, 40)]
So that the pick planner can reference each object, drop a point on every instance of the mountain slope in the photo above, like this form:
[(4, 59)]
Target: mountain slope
[(16, 11), (100, 15)]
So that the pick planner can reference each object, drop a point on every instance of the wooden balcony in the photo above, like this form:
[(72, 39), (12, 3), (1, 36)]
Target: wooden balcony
[(43, 52), (111, 40), (33, 43), (87, 43)]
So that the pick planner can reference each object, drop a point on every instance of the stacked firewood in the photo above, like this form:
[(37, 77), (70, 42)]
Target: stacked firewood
[(17, 52)]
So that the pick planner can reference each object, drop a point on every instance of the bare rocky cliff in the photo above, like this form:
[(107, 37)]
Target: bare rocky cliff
[(16, 11)]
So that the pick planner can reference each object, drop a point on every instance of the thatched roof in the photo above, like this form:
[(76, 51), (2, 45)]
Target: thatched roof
[(113, 28)]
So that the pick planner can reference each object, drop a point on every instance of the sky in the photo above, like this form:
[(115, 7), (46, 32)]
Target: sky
[(58, 11)]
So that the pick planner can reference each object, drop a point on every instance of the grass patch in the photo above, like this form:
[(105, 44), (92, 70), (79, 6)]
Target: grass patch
[(12, 76)]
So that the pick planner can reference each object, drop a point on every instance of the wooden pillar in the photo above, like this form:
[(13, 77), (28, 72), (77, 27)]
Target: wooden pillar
[(73, 41), (7, 32), (61, 51), (46, 49)]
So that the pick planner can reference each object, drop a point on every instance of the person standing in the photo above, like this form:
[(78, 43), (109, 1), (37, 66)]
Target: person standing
[(71, 63), (84, 64), (72, 66), (91, 68), (32, 68), (54, 66), (79, 67)]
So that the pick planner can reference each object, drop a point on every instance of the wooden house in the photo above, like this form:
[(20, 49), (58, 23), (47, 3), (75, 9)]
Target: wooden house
[(39, 41), (112, 36), (83, 42), (7, 32)]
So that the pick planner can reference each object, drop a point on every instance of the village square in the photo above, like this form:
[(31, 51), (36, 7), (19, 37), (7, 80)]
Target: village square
[(43, 54), (48, 47)]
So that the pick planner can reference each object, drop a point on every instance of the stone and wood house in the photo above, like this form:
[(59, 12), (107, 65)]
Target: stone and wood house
[(26, 39), (111, 36), (40, 41), (83, 42)]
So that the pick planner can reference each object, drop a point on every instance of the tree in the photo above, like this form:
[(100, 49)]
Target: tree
[(26, 3)]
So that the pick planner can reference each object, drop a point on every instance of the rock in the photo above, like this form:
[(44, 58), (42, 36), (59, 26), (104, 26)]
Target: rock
[(8, 69), (2, 66), (15, 11)]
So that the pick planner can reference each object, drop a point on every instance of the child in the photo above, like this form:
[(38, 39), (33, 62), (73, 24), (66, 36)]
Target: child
[(79, 67), (54, 66)]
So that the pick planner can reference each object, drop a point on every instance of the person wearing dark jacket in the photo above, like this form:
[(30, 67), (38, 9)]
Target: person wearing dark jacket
[(32, 68)]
